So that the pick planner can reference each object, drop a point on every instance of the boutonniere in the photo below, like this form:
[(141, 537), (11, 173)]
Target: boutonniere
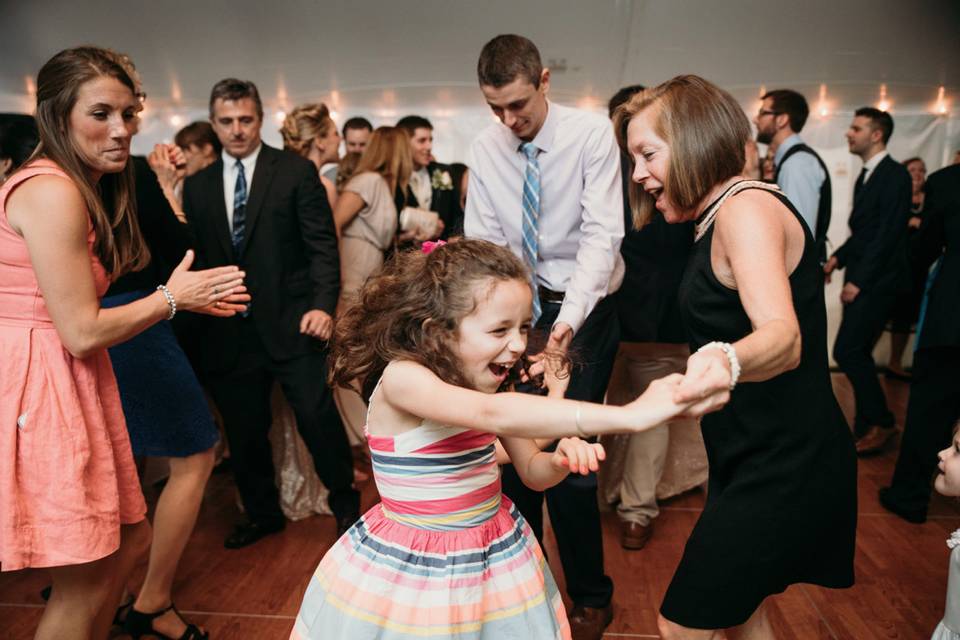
[(441, 180)]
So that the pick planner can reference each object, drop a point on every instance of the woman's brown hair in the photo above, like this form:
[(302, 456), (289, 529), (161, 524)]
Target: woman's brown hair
[(388, 153), (706, 130), (119, 245), (411, 308), (305, 124)]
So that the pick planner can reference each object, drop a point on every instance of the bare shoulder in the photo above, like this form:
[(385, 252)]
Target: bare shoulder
[(46, 198), (751, 214), (400, 376)]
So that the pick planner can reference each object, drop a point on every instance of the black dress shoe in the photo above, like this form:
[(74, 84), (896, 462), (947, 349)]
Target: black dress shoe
[(246, 533), (910, 514)]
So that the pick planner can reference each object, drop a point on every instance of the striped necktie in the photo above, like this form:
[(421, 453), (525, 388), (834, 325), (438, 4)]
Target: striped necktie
[(239, 209), (531, 217)]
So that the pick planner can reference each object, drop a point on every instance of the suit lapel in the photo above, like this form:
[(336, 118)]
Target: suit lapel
[(262, 176), (219, 209)]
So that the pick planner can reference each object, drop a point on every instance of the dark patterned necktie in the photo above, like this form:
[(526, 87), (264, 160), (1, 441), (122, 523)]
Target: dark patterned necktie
[(239, 209)]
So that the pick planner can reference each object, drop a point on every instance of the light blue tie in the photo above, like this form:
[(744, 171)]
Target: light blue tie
[(239, 209), (531, 218)]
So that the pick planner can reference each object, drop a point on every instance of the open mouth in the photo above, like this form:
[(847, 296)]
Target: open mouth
[(500, 370)]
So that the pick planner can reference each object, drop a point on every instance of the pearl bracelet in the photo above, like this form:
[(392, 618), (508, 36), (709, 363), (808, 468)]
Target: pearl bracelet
[(731, 354), (170, 301)]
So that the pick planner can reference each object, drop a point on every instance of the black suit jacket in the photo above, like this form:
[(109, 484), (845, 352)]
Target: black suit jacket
[(940, 235), (446, 202), (875, 254), (289, 252)]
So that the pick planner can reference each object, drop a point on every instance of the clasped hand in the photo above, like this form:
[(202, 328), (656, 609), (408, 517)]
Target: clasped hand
[(217, 292)]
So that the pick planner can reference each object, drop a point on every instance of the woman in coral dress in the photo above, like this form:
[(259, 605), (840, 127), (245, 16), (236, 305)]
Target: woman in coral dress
[(70, 500)]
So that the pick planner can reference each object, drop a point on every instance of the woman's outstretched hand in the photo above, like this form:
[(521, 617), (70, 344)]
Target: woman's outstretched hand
[(706, 385), (578, 456), (201, 290)]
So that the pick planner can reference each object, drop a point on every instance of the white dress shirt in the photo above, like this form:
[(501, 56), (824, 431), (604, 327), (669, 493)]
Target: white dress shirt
[(230, 178), (581, 204), (421, 187), (872, 163)]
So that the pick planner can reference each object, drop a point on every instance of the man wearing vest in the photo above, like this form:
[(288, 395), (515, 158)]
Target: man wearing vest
[(798, 170), (876, 270)]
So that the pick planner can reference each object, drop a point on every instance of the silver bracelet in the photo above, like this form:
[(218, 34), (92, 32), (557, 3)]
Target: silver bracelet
[(170, 301), (576, 420), (731, 354)]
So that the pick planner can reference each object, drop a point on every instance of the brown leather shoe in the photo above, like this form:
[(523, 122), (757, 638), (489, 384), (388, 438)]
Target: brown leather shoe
[(875, 440), (588, 623), (634, 536)]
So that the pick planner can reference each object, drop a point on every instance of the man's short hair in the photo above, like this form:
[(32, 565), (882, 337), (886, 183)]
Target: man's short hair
[(357, 122), (878, 119), (234, 89), (791, 103), (506, 58), (412, 123), (198, 134), (622, 96)]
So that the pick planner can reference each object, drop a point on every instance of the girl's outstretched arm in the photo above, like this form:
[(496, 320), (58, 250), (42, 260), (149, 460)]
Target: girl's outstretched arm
[(411, 388), (541, 470)]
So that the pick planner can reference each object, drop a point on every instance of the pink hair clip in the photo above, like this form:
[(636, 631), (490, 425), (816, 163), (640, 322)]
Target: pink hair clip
[(429, 245)]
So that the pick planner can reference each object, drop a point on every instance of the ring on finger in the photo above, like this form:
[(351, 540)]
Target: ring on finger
[(216, 290)]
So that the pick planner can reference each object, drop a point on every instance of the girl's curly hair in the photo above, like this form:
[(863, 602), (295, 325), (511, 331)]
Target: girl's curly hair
[(411, 308)]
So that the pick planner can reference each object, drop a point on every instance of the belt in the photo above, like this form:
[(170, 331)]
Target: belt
[(548, 295)]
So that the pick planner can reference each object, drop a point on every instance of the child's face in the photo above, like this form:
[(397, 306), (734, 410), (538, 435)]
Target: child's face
[(948, 478), (491, 339)]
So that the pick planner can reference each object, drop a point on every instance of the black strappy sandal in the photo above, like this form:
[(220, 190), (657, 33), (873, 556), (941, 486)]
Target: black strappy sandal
[(139, 624)]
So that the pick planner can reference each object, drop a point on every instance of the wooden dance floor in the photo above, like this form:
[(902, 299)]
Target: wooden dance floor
[(254, 593)]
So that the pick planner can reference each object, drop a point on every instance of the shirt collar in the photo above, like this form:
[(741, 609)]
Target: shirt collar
[(548, 131), (792, 141), (249, 162), (872, 163)]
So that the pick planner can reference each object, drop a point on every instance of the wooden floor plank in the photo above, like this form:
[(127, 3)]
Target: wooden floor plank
[(901, 568)]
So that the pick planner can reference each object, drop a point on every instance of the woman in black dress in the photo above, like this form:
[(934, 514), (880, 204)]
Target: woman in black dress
[(781, 505)]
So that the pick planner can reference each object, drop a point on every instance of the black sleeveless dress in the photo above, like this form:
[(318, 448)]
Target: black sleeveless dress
[(782, 498)]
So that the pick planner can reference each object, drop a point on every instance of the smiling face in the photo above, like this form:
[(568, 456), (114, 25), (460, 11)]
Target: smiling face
[(329, 144), (519, 105), (237, 125), (491, 339), (948, 471), (918, 174), (421, 146), (102, 123), (651, 157)]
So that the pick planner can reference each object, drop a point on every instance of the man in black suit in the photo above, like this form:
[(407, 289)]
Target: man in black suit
[(934, 406), (283, 236), (431, 183), (875, 259)]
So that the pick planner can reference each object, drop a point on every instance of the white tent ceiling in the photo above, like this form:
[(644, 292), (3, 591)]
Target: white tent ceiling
[(384, 59)]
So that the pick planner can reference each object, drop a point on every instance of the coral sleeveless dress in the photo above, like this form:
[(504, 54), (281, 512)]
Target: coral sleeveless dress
[(67, 476), (444, 555)]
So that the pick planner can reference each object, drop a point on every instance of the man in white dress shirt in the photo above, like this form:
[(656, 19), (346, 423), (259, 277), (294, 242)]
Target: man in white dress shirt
[(545, 181)]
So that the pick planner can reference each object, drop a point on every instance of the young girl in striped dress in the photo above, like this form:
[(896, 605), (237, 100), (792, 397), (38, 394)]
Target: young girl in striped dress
[(445, 555)]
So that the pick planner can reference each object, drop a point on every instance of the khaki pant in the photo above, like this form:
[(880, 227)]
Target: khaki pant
[(665, 461)]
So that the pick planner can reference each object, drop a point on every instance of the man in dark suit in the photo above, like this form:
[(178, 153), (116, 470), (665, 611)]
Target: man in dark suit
[(875, 259), (934, 406), (283, 237), (431, 183)]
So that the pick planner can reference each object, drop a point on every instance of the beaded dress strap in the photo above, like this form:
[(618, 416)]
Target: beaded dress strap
[(706, 220)]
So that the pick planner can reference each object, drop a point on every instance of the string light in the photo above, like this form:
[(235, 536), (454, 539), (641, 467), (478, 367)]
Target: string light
[(940, 106), (823, 107), (176, 94), (176, 120), (884, 104), (280, 115)]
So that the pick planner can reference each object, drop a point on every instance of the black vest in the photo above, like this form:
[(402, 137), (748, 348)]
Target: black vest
[(824, 204)]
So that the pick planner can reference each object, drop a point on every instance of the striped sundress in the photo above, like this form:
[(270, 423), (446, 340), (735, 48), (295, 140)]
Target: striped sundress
[(444, 555)]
